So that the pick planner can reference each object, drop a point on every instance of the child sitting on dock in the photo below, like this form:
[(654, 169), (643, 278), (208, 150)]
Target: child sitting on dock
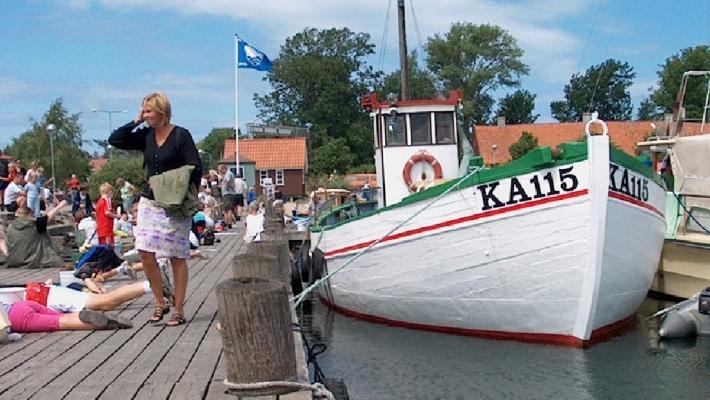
[(254, 224)]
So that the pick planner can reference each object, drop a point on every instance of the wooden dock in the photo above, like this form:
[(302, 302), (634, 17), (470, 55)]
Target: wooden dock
[(145, 362)]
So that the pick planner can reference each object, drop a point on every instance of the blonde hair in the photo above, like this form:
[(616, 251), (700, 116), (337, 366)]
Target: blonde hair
[(32, 177), (159, 101), (106, 188)]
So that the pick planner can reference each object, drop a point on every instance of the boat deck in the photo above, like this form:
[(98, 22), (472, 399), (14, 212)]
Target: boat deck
[(146, 362)]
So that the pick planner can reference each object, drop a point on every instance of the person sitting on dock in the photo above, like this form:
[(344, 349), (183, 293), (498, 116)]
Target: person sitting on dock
[(28, 239), (254, 224), (13, 190)]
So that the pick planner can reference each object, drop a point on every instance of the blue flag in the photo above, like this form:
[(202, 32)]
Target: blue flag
[(249, 57)]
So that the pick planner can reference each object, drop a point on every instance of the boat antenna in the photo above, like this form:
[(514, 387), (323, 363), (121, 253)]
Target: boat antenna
[(403, 62)]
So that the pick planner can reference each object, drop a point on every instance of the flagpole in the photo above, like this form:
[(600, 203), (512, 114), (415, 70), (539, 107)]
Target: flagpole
[(236, 99)]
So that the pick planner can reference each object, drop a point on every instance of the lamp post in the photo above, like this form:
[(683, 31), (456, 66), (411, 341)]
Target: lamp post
[(109, 112), (51, 128)]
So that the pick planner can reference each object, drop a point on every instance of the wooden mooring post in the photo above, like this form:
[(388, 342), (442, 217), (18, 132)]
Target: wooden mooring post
[(257, 337), (256, 265)]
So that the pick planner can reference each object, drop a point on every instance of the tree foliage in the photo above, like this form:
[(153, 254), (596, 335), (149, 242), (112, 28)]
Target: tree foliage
[(213, 145), (603, 88), (477, 59), (517, 108), (669, 77), (422, 83), (520, 148), (128, 167), (648, 110), (34, 144), (316, 80), (333, 157)]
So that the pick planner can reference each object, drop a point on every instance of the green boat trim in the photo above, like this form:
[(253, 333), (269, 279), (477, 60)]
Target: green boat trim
[(539, 158)]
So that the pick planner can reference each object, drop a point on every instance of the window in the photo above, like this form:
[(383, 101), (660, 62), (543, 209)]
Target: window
[(263, 174), (444, 127), (234, 171), (279, 177), (421, 128), (396, 134)]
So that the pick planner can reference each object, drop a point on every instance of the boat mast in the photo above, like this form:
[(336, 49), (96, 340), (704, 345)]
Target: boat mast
[(403, 61)]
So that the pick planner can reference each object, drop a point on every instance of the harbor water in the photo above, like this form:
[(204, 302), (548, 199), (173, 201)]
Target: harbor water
[(382, 362)]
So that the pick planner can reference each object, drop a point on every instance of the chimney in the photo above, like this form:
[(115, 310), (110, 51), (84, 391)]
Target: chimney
[(501, 122), (586, 117)]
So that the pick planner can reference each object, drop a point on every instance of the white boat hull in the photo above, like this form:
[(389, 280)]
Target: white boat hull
[(523, 265)]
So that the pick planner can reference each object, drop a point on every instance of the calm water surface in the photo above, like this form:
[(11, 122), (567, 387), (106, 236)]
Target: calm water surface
[(382, 362)]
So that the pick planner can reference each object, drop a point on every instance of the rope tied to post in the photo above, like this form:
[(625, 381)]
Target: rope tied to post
[(278, 387)]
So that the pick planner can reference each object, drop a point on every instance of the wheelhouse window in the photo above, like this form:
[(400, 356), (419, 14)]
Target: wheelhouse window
[(396, 130), (279, 177), (444, 127), (421, 128)]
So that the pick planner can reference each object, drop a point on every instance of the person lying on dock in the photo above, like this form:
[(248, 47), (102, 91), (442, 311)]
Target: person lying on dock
[(50, 308)]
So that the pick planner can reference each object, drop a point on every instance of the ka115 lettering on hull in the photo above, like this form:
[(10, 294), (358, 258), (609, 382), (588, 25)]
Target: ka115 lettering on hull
[(525, 188), (626, 182)]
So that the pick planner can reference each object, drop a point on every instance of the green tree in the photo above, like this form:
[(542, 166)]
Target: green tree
[(477, 59), (670, 74), (648, 110), (422, 84), (316, 80), (517, 108), (520, 148), (128, 167), (213, 145), (603, 88), (34, 144), (333, 156)]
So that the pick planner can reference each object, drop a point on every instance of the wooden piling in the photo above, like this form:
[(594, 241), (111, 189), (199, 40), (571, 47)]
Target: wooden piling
[(274, 244), (257, 266), (257, 337)]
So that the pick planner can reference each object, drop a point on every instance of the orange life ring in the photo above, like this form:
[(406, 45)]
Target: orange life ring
[(417, 157)]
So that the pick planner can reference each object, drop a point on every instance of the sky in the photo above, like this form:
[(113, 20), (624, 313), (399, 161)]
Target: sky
[(107, 54)]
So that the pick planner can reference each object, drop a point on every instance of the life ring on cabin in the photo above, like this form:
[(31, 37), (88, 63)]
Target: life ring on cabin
[(421, 156)]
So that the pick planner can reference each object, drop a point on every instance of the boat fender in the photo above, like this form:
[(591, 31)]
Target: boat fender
[(680, 322), (704, 302), (417, 157)]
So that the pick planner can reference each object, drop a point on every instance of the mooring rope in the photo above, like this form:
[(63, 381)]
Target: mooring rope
[(274, 387), (298, 299)]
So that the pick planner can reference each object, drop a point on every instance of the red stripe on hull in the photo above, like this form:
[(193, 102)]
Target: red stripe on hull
[(636, 202), (461, 220), (598, 335)]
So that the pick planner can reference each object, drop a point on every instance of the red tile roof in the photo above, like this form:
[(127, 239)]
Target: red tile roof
[(98, 163), (281, 153), (624, 134)]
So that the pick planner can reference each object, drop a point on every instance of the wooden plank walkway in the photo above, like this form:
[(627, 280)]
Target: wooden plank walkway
[(146, 362)]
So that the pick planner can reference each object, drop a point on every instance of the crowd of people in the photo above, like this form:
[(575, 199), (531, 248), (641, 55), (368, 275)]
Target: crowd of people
[(166, 226)]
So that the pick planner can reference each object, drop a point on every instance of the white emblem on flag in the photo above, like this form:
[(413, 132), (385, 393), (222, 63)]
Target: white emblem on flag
[(253, 56)]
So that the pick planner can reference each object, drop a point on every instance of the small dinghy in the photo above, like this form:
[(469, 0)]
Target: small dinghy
[(687, 318)]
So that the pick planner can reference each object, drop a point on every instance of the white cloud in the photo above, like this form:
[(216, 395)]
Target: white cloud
[(11, 86)]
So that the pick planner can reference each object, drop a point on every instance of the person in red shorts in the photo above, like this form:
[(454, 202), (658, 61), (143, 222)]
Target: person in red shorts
[(105, 215)]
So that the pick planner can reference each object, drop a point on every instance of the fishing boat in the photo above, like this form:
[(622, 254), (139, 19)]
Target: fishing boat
[(680, 151), (558, 247)]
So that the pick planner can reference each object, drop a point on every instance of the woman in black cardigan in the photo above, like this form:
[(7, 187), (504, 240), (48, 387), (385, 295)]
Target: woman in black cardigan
[(165, 146)]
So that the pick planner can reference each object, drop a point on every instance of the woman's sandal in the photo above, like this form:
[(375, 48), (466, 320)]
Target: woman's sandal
[(175, 320), (158, 313)]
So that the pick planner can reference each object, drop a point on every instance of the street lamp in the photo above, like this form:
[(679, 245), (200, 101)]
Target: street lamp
[(51, 128), (109, 112)]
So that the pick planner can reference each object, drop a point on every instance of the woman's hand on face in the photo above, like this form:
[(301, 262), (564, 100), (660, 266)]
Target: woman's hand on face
[(139, 118)]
